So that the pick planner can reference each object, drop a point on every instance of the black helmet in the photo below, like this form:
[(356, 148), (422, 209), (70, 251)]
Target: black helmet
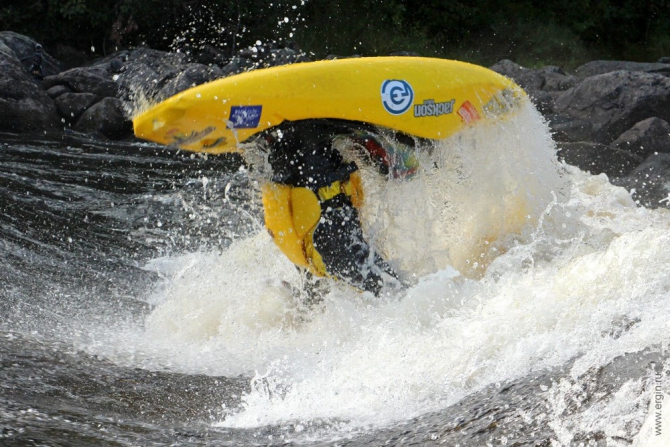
[(38, 47)]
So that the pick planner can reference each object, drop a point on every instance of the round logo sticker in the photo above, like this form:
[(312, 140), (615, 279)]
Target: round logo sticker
[(397, 96)]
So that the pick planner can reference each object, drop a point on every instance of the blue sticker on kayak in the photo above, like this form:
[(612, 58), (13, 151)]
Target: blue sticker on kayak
[(245, 117), (397, 96)]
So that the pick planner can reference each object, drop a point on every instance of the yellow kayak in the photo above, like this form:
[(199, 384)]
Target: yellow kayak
[(424, 97)]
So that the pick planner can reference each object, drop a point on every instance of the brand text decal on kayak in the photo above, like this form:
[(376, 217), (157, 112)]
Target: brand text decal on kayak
[(432, 108)]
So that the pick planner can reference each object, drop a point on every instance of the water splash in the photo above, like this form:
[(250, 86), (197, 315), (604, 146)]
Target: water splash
[(568, 269), (476, 194)]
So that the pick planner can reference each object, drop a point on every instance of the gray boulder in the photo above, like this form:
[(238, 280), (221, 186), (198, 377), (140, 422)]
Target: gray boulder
[(543, 101), (107, 117), (237, 65), (138, 81), (286, 56), (527, 79), (24, 105), (57, 90), (649, 183), (95, 79), (565, 129), (645, 138), (189, 76), (156, 75), (598, 159), (23, 48), (138, 73), (539, 84), (614, 102), (595, 68), (210, 55), (72, 105), (258, 56), (549, 78), (159, 62), (113, 63), (556, 80)]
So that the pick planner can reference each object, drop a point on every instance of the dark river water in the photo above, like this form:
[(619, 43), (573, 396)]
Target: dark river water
[(129, 273)]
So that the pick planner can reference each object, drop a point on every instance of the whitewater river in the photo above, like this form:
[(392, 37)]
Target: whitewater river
[(142, 303)]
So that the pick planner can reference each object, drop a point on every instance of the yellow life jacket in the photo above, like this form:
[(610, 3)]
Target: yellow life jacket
[(293, 213)]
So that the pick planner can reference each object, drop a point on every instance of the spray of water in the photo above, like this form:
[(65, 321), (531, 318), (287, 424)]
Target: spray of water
[(518, 263)]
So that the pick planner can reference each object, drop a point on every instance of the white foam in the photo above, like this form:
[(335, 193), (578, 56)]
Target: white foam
[(562, 257), (655, 432), (472, 193)]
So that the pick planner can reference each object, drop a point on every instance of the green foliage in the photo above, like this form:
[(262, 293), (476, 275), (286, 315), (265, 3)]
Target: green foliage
[(71, 9), (531, 32), (78, 22), (526, 43), (344, 27), (612, 25)]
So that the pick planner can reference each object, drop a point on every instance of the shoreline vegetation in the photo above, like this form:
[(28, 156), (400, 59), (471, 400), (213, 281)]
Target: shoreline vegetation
[(533, 34)]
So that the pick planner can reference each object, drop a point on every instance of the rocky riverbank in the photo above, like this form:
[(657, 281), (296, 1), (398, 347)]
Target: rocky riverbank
[(608, 117)]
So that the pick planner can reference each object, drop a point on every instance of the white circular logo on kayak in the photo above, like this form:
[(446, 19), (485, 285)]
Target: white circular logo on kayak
[(397, 96)]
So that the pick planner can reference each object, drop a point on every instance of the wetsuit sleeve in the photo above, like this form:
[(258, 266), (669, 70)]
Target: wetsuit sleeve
[(339, 240)]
